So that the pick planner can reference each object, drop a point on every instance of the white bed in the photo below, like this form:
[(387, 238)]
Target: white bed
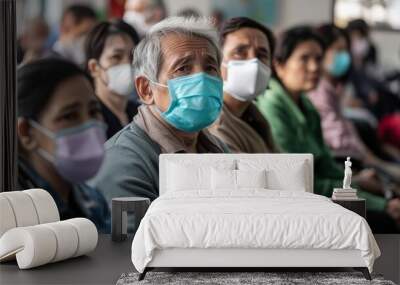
[(247, 210)]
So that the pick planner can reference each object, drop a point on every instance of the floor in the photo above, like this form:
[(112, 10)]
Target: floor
[(106, 264), (389, 262)]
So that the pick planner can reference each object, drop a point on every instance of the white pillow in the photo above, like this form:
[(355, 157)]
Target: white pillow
[(186, 175), (183, 177), (281, 174), (223, 179), (251, 178), (230, 180)]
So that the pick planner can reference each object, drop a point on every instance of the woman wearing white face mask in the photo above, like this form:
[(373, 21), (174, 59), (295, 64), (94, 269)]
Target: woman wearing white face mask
[(109, 48), (247, 48)]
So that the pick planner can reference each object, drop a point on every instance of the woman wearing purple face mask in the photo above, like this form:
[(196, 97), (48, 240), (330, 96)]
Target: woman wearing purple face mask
[(61, 135)]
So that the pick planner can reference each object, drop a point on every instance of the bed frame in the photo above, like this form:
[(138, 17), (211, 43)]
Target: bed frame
[(246, 259)]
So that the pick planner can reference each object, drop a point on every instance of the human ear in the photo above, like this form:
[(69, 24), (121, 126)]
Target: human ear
[(93, 67), (144, 90), (25, 136), (278, 67)]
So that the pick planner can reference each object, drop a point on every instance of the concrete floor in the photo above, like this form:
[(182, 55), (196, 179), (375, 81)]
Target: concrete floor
[(389, 262), (106, 264)]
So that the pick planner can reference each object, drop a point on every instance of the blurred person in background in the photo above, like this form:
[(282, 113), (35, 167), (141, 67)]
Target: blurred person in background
[(109, 53), (247, 49), (338, 132), (189, 12), (296, 125), (143, 14), (76, 22), (372, 92), (61, 137), (116, 9), (362, 48), (389, 133), (366, 78), (218, 18), (32, 41)]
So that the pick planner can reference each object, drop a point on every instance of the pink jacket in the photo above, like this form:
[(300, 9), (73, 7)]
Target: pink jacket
[(339, 133)]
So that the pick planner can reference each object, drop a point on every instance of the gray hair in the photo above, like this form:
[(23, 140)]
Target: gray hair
[(148, 54)]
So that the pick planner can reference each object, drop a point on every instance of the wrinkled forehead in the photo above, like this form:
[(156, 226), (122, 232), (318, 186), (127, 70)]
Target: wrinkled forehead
[(177, 45)]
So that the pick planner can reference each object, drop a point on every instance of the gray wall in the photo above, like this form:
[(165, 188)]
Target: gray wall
[(293, 12)]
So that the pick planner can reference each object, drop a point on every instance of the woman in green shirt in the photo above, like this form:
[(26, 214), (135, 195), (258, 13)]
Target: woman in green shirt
[(296, 127)]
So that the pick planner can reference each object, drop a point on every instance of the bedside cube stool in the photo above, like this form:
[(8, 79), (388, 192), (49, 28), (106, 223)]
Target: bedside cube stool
[(357, 205), (119, 214)]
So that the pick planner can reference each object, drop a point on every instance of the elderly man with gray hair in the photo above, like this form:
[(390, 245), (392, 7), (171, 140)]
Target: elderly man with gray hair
[(178, 79)]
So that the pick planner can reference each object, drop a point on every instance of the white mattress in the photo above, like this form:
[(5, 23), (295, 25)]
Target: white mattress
[(255, 218)]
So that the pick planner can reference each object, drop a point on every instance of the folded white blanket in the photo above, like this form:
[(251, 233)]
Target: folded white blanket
[(250, 219)]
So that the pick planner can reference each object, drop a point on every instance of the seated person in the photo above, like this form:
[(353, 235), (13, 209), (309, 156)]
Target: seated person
[(143, 14), (389, 132), (366, 76), (295, 122), (247, 49), (178, 79), (338, 132), (76, 22), (61, 137), (32, 42), (109, 50)]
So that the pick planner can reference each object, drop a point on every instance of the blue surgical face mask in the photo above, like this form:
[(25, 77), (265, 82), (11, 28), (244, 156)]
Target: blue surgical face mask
[(340, 65), (195, 101)]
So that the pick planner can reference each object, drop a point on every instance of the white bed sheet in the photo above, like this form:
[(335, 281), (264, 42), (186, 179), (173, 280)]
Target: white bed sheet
[(252, 218)]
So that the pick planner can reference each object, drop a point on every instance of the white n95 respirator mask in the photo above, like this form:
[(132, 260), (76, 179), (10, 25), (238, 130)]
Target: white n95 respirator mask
[(120, 79), (246, 79)]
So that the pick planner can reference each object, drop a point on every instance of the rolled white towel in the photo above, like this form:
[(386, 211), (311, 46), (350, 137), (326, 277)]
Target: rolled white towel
[(66, 238), (7, 218), (40, 244), (23, 208), (32, 246), (87, 235), (46, 208), (26, 208)]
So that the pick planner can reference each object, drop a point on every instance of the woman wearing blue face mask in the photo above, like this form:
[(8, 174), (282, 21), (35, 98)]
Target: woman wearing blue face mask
[(61, 137), (109, 50), (339, 133)]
